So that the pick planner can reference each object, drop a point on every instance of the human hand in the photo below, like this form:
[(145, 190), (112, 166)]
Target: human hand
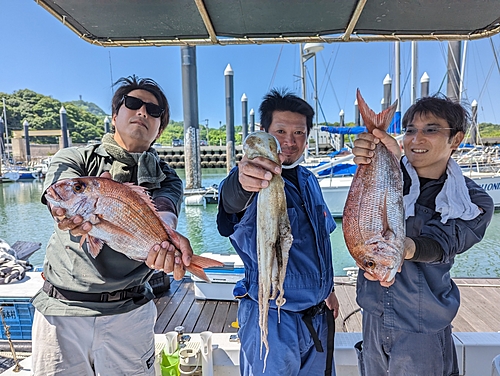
[(409, 249), (255, 174), (364, 146), (369, 277), (75, 225), (333, 304), (167, 257)]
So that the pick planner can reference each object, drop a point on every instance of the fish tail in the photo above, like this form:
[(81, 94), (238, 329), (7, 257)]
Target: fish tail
[(198, 263), (198, 272), (372, 120), (205, 262)]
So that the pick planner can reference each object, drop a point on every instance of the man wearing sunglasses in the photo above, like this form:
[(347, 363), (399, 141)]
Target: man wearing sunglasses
[(407, 322), (96, 316)]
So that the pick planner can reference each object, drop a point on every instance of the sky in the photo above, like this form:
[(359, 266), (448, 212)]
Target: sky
[(39, 53)]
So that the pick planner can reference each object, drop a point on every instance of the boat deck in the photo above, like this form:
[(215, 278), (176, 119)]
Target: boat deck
[(480, 304)]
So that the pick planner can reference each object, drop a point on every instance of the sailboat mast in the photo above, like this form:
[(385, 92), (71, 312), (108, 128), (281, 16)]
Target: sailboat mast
[(414, 71), (302, 72), (6, 130), (397, 75), (453, 84), (462, 72)]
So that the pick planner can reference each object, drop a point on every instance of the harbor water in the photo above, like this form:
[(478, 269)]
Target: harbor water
[(24, 217)]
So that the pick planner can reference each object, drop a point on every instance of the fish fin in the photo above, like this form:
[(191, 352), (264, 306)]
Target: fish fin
[(94, 245), (385, 222), (198, 271), (198, 263), (205, 262), (372, 120), (143, 195)]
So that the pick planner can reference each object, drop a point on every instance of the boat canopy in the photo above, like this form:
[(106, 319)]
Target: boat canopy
[(223, 22)]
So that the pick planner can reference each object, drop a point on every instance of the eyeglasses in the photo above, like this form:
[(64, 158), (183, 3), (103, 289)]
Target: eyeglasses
[(133, 103), (427, 131)]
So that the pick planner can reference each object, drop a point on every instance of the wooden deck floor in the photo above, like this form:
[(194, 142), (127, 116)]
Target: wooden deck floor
[(177, 306), (480, 304)]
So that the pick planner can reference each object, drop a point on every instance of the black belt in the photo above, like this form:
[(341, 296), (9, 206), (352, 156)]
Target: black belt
[(307, 316), (138, 293)]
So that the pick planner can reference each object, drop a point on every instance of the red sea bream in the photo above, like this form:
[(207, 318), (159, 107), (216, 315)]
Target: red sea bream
[(373, 219), (122, 216)]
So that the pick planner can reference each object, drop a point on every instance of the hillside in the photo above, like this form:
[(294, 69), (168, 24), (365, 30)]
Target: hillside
[(42, 113), (90, 107)]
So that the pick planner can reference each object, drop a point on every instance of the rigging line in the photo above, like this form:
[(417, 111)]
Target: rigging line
[(442, 82), (275, 69), (485, 81), (446, 63), (327, 70), (404, 84), (319, 102), (322, 113), (111, 73), (329, 79), (495, 54)]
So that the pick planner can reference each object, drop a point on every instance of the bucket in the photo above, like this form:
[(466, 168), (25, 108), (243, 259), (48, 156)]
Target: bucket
[(169, 364)]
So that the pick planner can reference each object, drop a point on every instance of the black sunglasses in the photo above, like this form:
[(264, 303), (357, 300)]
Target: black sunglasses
[(133, 103)]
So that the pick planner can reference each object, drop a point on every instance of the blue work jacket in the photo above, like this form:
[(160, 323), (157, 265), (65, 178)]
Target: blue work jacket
[(309, 274), (424, 298)]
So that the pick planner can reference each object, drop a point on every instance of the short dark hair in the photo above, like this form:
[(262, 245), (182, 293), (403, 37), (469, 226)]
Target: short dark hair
[(442, 107), (131, 83), (283, 100)]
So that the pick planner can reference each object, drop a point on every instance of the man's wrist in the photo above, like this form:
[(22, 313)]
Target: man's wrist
[(409, 247)]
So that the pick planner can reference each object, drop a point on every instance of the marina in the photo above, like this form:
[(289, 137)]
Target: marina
[(477, 273), (190, 314), (179, 307)]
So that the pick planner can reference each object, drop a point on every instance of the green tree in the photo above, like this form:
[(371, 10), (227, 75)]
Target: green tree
[(42, 113)]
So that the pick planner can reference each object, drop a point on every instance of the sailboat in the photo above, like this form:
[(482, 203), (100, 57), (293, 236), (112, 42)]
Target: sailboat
[(335, 187)]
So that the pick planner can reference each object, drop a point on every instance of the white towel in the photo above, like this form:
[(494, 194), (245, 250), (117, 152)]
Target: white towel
[(452, 202)]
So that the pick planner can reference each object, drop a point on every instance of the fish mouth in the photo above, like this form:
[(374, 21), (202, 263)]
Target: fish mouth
[(390, 274), (52, 194)]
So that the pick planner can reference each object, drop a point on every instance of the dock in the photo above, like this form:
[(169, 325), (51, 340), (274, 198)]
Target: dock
[(480, 304), (177, 306)]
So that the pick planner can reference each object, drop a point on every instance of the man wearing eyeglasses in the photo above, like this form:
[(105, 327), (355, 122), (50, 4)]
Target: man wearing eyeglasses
[(407, 322), (96, 316)]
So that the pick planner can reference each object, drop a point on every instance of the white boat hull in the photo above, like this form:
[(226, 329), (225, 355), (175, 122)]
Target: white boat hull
[(335, 189)]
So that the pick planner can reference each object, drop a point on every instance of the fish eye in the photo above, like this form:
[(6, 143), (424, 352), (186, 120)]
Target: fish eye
[(369, 264), (78, 187)]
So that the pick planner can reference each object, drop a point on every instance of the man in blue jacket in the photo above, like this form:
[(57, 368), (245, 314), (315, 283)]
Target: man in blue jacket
[(407, 322), (298, 339)]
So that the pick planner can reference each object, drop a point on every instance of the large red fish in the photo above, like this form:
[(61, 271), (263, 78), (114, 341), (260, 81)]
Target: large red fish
[(122, 216), (373, 219)]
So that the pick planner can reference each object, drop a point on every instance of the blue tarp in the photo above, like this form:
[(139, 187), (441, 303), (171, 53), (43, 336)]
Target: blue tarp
[(395, 127), (337, 152), (342, 169), (344, 130)]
